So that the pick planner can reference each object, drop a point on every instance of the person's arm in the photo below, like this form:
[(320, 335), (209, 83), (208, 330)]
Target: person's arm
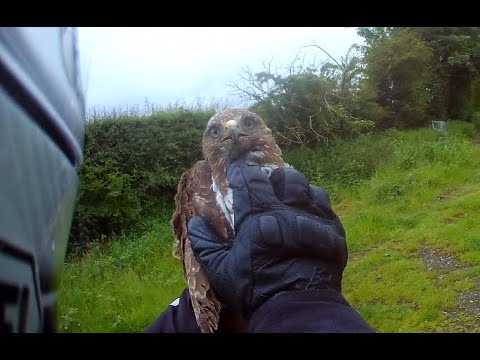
[(177, 318), (284, 270), (323, 311)]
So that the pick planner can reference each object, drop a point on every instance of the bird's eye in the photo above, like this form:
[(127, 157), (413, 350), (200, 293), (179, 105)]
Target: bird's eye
[(215, 131), (248, 122)]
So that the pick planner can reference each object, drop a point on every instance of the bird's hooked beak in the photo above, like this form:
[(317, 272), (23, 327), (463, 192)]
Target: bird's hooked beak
[(233, 131)]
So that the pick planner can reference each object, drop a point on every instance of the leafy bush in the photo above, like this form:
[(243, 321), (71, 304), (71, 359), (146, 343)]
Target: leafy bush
[(347, 163), (461, 129), (342, 162), (476, 120), (427, 147), (132, 167)]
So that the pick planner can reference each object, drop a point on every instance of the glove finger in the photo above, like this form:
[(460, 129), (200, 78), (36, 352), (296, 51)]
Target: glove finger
[(291, 187), (323, 208), (252, 190), (209, 251), (321, 200), (315, 239), (321, 239)]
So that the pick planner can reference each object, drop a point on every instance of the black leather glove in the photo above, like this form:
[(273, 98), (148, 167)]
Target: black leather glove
[(287, 238)]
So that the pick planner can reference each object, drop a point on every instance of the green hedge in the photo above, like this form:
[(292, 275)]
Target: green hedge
[(131, 169)]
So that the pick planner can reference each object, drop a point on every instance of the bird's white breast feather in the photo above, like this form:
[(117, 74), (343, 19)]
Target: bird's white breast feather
[(225, 203)]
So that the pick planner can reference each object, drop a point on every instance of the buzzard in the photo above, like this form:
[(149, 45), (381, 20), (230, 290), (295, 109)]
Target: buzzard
[(203, 190)]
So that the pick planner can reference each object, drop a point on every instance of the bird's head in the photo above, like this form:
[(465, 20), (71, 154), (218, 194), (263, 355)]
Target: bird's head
[(239, 134)]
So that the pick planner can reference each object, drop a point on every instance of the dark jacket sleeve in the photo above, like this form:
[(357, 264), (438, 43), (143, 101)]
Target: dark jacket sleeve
[(177, 318), (293, 311), (320, 311)]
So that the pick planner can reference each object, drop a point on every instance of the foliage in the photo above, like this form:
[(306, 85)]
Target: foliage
[(397, 73), (457, 63), (307, 105), (452, 73), (476, 120), (412, 234), (344, 163), (132, 167)]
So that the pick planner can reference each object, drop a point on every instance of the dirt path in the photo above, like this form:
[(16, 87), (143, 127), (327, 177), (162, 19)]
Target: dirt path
[(466, 315)]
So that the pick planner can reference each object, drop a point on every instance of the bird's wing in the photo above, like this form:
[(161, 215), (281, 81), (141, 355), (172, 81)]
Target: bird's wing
[(196, 197)]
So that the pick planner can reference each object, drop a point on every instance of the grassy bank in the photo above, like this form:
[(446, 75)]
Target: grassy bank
[(410, 203)]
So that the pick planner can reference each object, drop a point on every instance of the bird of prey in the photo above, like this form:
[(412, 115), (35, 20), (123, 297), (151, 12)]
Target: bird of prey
[(204, 190)]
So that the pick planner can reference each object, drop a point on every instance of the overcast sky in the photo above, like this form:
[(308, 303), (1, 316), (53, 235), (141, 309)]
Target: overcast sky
[(124, 66)]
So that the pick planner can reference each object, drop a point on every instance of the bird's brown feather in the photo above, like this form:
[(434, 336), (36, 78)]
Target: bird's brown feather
[(195, 197)]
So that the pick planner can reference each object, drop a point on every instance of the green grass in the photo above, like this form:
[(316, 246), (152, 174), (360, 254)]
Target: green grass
[(122, 286), (403, 196)]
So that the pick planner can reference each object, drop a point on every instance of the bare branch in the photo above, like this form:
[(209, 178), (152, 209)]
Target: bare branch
[(311, 126), (268, 67), (325, 51), (289, 140)]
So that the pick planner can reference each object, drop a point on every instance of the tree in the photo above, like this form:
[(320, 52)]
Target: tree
[(453, 86), (306, 104), (397, 75), (456, 52)]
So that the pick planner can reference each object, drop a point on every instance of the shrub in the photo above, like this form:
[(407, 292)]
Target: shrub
[(132, 167)]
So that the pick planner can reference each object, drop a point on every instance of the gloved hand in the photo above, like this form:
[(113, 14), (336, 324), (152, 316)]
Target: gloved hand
[(287, 238)]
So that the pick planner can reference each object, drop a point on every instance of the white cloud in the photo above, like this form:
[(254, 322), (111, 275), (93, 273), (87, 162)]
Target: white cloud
[(123, 66)]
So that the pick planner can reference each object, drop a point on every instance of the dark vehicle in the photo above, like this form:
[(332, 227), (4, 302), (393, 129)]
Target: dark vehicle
[(41, 146)]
